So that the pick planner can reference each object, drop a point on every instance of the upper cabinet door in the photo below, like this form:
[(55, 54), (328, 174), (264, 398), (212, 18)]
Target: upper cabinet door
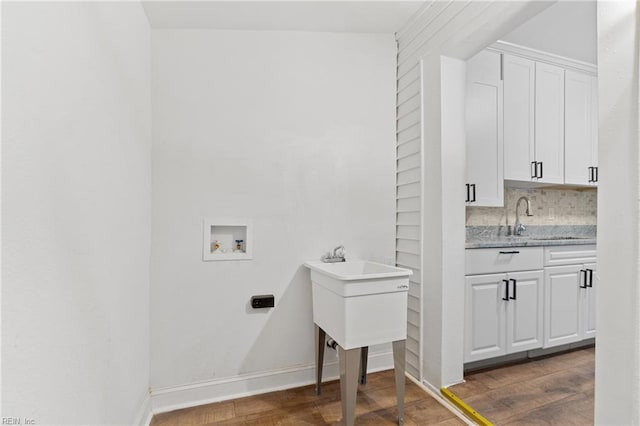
[(595, 117), (549, 122), (484, 129), (578, 128), (519, 119)]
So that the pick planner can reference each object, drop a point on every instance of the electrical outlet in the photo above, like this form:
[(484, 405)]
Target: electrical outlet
[(263, 301)]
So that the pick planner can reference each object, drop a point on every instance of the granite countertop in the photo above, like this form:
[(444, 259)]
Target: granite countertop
[(535, 236)]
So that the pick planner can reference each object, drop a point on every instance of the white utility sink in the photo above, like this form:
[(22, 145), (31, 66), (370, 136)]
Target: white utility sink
[(360, 303)]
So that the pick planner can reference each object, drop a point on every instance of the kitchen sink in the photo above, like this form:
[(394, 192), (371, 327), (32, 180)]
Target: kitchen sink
[(558, 238)]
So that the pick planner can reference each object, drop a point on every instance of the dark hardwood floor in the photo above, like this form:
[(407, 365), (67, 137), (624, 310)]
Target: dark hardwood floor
[(376, 405), (555, 390)]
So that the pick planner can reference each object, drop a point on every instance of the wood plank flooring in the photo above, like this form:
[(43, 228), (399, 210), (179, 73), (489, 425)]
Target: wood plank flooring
[(556, 390), (376, 405)]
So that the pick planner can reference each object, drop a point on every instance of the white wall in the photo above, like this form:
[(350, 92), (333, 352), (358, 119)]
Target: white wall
[(568, 28), (294, 130), (618, 305), (76, 204)]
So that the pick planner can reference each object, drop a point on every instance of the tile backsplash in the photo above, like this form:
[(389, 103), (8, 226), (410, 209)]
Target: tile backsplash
[(550, 206)]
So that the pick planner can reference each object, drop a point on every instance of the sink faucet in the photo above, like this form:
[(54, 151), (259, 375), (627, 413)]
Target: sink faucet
[(519, 228), (336, 255)]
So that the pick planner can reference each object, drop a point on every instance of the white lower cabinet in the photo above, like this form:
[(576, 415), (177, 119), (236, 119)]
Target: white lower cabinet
[(589, 316), (518, 299), (503, 314), (524, 312), (570, 296)]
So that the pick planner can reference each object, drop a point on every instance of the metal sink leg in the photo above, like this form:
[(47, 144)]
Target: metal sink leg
[(353, 370), (363, 365), (319, 341), (349, 363), (399, 366)]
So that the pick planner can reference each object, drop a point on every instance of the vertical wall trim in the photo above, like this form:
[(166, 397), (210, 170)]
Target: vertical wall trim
[(422, 207), (409, 203)]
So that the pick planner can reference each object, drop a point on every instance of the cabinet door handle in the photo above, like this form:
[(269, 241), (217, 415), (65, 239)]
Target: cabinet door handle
[(506, 290), (473, 198), (534, 170), (468, 194), (514, 289), (583, 278), (591, 175), (590, 284), (595, 169), (540, 175), (509, 252)]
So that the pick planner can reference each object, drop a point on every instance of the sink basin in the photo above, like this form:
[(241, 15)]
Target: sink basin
[(360, 303), (357, 270)]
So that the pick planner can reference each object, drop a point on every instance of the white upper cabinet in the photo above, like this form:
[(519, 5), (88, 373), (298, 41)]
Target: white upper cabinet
[(484, 131), (533, 121), (528, 120), (549, 123), (594, 125), (578, 128), (581, 129), (519, 98)]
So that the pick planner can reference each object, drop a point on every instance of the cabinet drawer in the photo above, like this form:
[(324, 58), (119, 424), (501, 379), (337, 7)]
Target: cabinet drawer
[(495, 260), (569, 255)]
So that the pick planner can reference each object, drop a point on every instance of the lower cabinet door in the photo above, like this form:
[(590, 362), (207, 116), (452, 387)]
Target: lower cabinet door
[(525, 311), (485, 314), (562, 304), (589, 303)]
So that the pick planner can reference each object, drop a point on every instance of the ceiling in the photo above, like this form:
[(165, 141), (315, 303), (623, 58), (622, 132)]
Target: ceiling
[(322, 16), (567, 28)]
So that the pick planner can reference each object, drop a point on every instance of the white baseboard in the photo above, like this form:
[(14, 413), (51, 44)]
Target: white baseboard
[(144, 412), (191, 395)]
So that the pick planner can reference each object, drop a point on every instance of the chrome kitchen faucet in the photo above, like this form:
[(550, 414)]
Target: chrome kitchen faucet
[(519, 228)]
